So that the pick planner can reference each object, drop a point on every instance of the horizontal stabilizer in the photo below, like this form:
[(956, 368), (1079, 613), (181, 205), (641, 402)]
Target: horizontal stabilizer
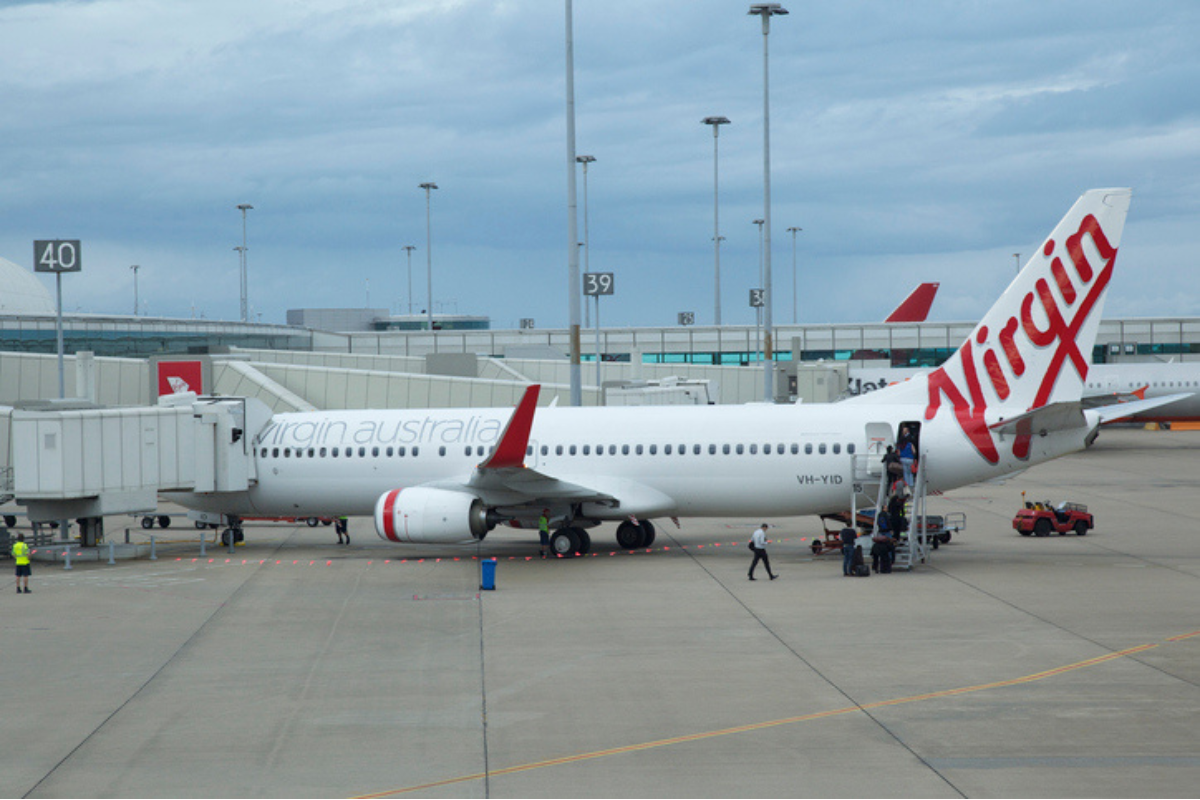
[(1054, 417)]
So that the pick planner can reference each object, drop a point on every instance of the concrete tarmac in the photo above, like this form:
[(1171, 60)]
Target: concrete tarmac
[(1008, 666)]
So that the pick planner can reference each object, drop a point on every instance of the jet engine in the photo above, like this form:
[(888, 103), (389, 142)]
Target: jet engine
[(424, 515)]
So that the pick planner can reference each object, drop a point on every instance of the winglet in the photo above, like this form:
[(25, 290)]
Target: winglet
[(510, 451), (915, 307)]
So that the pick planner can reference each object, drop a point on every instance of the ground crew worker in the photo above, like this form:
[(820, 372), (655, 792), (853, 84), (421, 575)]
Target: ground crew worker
[(544, 531), (20, 553), (342, 526)]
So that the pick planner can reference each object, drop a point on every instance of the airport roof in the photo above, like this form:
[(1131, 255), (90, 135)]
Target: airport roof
[(21, 292)]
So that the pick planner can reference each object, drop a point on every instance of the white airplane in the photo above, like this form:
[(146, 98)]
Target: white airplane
[(1009, 398)]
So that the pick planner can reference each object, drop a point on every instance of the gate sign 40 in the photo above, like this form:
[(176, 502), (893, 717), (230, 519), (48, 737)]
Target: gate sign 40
[(57, 255)]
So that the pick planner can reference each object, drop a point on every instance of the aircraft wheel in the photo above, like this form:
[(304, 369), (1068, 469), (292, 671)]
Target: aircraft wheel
[(1041, 527), (564, 543), (147, 522), (164, 521), (226, 535), (313, 522), (1081, 528), (10, 520), (585, 541), (816, 547), (629, 536), (647, 533)]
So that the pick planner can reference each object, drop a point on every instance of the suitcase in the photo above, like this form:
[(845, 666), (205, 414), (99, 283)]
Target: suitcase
[(862, 571)]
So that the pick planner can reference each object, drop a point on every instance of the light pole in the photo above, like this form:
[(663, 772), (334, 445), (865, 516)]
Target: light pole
[(1017, 258), (244, 207), (716, 123), (793, 231), (135, 269), (574, 286), (587, 248), (409, 248), (766, 11), (758, 311), (428, 187)]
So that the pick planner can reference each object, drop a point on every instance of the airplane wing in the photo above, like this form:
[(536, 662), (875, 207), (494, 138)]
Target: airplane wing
[(1118, 411), (504, 480)]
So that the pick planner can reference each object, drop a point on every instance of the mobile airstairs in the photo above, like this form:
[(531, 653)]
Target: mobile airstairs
[(870, 490)]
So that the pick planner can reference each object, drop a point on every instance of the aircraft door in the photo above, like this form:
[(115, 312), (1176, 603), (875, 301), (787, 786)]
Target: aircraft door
[(879, 435)]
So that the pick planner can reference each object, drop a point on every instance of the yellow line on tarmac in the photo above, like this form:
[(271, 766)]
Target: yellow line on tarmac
[(758, 726)]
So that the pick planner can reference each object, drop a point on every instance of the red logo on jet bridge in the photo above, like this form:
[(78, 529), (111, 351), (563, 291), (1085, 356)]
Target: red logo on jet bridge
[(1062, 328), (180, 376)]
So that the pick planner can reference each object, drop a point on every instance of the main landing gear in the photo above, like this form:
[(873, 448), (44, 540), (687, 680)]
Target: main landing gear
[(570, 542), (635, 535)]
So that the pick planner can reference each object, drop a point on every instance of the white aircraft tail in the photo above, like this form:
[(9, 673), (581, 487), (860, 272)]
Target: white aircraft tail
[(1033, 348)]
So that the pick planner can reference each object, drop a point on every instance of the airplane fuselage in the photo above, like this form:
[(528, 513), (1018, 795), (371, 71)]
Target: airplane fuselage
[(759, 460)]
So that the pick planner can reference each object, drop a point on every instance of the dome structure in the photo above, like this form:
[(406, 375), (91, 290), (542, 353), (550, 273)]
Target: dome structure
[(21, 292)]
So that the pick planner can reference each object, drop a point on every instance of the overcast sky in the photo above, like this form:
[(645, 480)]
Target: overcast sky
[(911, 141)]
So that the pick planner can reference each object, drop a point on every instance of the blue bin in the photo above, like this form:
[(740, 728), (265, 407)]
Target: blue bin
[(488, 567)]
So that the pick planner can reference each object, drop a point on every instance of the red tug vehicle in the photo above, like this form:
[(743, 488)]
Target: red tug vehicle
[(1042, 519)]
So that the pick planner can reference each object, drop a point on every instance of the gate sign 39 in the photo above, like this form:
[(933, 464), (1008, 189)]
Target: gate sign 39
[(57, 255)]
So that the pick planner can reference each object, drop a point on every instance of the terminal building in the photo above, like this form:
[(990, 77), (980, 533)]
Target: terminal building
[(347, 358)]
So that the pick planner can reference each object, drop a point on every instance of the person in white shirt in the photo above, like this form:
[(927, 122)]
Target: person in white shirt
[(758, 543)]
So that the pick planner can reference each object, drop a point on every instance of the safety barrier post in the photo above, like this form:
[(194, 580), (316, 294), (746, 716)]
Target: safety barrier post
[(202, 538), (112, 561), (68, 564), (153, 552)]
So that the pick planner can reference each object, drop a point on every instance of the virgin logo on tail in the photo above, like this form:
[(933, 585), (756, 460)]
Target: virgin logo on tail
[(1003, 354)]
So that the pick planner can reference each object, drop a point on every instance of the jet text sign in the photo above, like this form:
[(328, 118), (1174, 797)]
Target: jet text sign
[(57, 255)]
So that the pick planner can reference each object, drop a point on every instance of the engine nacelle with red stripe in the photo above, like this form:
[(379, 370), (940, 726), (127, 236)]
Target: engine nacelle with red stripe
[(424, 515)]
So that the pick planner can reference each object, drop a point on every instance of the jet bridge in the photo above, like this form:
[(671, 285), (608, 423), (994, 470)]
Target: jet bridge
[(69, 460)]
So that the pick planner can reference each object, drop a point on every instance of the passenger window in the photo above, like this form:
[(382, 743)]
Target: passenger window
[(442, 451), (837, 448), (638, 449), (712, 449), (375, 452), (654, 449), (545, 450), (821, 448), (808, 449), (740, 449), (795, 449), (416, 451), (389, 452), (753, 449), (287, 452), (322, 452), (587, 449), (612, 449), (572, 450), (666, 449), (528, 449), (624, 449), (850, 448), (766, 449), (695, 449), (469, 450), (725, 449), (399, 452)]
